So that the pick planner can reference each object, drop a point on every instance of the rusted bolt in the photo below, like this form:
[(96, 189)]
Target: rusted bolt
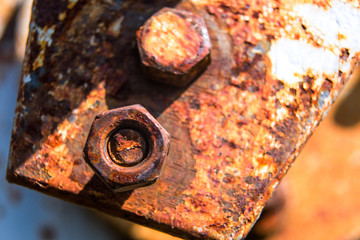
[(126, 147), (174, 46)]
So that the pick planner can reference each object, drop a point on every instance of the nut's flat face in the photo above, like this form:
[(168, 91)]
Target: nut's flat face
[(126, 147)]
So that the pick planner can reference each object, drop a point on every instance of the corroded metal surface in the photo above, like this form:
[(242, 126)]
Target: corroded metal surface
[(174, 46), (276, 68), (120, 175), (127, 146), (321, 189)]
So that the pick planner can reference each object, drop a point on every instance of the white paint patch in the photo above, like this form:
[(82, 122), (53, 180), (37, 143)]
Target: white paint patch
[(338, 26), (45, 35), (263, 170), (27, 79), (291, 59), (281, 113)]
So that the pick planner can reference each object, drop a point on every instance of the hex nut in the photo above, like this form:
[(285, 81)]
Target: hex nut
[(174, 46), (126, 148)]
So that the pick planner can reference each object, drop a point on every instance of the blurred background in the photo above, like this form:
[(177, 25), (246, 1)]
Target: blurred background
[(318, 199)]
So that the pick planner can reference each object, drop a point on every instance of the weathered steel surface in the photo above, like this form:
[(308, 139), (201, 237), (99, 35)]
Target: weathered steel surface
[(322, 188), (276, 68), (120, 175), (174, 46)]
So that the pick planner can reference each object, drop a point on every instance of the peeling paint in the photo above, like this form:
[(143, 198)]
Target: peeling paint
[(43, 40), (338, 25), (236, 130), (27, 79), (293, 59)]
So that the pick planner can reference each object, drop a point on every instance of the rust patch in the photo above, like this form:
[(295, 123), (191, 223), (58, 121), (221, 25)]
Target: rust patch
[(127, 146), (174, 46), (235, 130)]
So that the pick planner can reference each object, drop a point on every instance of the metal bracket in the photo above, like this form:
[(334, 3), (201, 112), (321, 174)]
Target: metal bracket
[(235, 131)]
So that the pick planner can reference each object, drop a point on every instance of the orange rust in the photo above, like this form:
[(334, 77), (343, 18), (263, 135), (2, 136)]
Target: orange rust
[(125, 170), (127, 146), (236, 130), (170, 40), (124, 144), (174, 46)]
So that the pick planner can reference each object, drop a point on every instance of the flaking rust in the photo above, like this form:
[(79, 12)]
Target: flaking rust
[(276, 68)]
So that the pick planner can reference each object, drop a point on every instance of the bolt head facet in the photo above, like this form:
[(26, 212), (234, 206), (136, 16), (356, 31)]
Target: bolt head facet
[(174, 46)]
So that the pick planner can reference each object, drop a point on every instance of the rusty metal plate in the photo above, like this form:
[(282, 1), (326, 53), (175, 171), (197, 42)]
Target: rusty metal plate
[(276, 69)]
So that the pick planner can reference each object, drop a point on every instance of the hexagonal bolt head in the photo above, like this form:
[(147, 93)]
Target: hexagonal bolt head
[(126, 147), (174, 46)]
